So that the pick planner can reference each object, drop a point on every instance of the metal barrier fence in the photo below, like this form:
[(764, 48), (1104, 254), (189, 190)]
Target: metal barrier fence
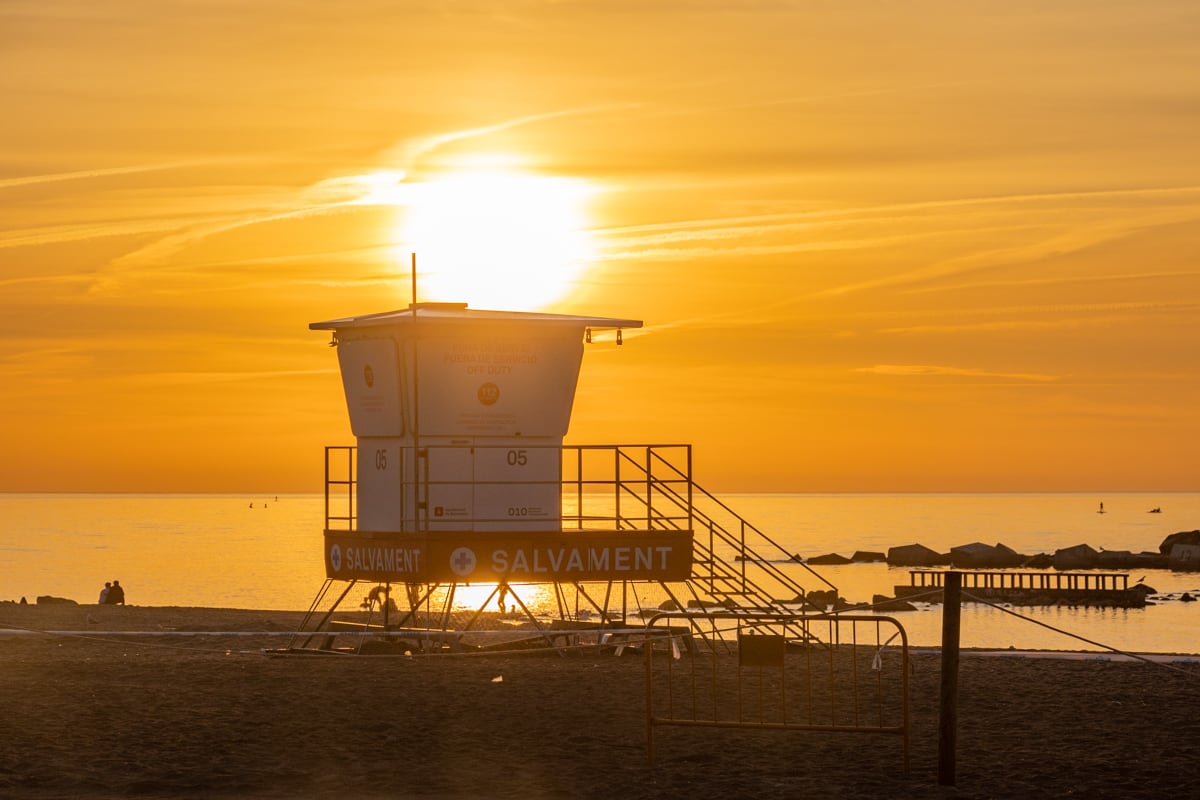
[(832, 673)]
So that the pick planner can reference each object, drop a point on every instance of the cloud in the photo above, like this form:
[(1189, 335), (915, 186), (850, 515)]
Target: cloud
[(328, 196), (1062, 280), (926, 370), (1065, 316), (1065, 236), (202, 378), (60, 234), (407, 153), (674, 239), (746, 250), (159, 251), (29, 180)]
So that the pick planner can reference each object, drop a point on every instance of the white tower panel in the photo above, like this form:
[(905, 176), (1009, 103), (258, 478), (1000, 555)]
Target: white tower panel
[(449, 484), (518, 486), (371, 378), (380, 497), (484, 384), (460, 415)]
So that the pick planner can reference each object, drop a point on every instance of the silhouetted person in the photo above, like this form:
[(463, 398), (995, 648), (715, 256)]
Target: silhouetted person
[(116, 595), (104, 593)]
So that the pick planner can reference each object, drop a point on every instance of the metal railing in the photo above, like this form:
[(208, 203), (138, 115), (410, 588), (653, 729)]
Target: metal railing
[(775, 680), (627, 487), (637, 487), (1030, 581), (340, 481)]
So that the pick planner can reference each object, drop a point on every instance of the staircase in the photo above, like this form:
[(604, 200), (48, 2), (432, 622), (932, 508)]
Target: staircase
[(649, 487), (736, 567)]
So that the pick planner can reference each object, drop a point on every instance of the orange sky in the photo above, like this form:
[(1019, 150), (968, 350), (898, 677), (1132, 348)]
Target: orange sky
[(877, 246)]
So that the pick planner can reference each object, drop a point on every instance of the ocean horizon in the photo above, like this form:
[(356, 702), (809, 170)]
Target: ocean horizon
[(264, 551)]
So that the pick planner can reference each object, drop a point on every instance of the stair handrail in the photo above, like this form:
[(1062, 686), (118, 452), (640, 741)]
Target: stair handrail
[(667, 489), (690, 504)]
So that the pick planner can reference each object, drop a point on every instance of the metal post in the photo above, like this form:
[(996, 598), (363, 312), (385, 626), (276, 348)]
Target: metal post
[(419, 502), (948, 716)]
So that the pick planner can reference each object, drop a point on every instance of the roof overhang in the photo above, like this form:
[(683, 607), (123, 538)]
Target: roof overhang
[(459, 313)]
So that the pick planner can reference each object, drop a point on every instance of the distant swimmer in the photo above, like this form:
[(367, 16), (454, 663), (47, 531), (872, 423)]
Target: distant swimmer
[(1155, 510)]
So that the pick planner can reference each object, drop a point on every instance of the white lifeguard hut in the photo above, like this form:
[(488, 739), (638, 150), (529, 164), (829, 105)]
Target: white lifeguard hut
[(460, 476)]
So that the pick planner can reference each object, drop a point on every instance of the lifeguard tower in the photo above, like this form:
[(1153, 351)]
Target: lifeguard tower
[(461, 491)]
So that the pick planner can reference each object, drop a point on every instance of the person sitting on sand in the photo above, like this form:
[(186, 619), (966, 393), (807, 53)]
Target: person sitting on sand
[(116, 595), (104, 593)]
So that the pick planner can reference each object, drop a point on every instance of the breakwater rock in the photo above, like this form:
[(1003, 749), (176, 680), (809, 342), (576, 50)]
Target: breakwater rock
[(1179, 551)]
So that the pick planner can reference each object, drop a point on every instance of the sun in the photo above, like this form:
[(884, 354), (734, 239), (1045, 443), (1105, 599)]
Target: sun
[(495, 238)]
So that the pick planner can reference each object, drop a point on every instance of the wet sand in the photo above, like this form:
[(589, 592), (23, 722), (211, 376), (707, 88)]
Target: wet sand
[(205, 716)]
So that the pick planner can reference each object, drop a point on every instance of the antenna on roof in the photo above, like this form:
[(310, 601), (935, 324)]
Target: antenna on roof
[(416, 393), (414, 282)]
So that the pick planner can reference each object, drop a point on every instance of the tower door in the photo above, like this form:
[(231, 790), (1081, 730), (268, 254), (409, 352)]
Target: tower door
[(493, 485), (449, 492), (518, 486)]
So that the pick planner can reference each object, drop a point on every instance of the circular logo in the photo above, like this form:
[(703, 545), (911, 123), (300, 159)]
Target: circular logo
[(335, 557), (369, 376), (489, 393), (462, 561)]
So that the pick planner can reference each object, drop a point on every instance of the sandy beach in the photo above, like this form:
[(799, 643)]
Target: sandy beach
[(89, 715)]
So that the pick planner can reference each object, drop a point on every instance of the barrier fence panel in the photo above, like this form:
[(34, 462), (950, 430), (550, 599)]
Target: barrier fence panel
[(831, 673)]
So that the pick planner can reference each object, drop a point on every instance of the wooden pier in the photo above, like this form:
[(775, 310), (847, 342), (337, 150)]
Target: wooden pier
[(1029, 588)]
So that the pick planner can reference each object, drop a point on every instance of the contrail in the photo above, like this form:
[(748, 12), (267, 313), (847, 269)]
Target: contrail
[(53, 177), (407, 153)]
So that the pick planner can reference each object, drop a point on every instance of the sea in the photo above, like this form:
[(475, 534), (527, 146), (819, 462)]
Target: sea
[(261, 551)]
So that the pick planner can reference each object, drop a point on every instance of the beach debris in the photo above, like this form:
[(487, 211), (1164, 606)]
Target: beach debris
[(49, 600), (498, 679)]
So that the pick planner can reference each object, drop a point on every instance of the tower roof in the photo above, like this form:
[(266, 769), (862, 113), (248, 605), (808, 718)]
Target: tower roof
[(458, 312)]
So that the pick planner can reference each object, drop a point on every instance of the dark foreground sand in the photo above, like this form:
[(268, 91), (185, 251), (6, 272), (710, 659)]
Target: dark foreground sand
[(213, 717)]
